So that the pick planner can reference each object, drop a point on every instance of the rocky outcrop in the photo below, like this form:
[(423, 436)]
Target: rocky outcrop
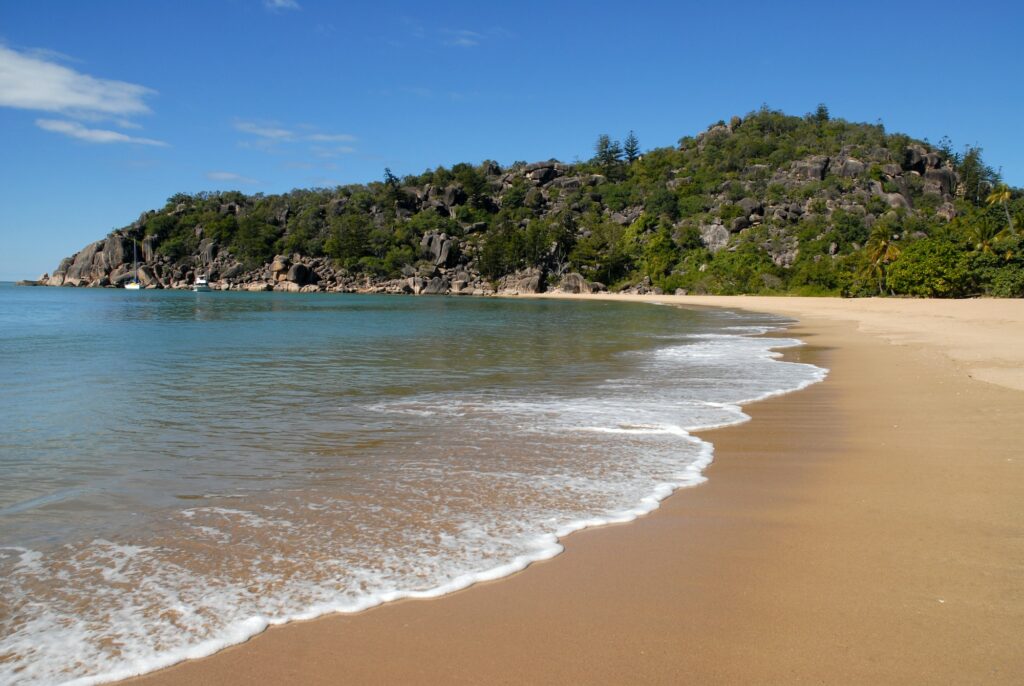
[(575, 283), (782, 247), (850, 168), (714, 237), (301, 275), (439, 248), (645, 287), (438, 285), (813, 168), (149, 244), (525, 282)]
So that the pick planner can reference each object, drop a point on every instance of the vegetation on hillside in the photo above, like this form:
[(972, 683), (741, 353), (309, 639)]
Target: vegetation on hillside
[(766, 203)]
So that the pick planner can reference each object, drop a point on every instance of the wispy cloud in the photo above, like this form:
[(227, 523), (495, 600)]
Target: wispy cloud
[(76, 130), (265, 130), (230, 177), (50, 55), (273, 137), (461, 38), (331, 137), (411, 31), (276, 132), (332, 151), (278, 5), (33, 80)]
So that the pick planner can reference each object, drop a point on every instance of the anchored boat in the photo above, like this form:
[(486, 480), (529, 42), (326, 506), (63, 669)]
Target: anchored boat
[(134, 284)]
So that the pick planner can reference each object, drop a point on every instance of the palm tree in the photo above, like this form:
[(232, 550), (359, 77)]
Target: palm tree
[(983, 234), (880, 249), (1000, 195)]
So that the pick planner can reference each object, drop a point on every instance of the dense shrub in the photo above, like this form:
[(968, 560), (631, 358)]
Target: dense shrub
[(931, 268)]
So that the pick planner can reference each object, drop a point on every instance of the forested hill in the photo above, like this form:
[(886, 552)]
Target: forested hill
[(766, 203)]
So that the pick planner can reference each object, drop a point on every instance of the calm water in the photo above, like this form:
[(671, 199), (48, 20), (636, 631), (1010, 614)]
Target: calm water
[(179, 470)]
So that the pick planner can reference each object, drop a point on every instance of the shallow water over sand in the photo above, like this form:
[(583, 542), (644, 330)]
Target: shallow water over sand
[(178, 470)]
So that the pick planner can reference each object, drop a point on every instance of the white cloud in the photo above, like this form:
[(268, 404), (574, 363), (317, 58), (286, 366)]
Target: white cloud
[(276, 5), (50, 55), (265, 130), (230, 177), (76, 130), (462, 38), (34, 81), (272, 136), (331, 138)]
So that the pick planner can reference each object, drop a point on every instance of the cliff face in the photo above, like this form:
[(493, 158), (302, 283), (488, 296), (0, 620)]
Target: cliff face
[(788, 197)]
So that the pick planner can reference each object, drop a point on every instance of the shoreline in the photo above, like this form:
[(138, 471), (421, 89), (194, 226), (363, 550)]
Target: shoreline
[(324, 643)]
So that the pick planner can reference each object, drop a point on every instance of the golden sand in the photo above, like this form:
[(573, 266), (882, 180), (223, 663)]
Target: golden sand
[(867, 530)]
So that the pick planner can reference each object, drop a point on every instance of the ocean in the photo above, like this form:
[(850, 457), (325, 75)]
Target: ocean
[(180, 470)]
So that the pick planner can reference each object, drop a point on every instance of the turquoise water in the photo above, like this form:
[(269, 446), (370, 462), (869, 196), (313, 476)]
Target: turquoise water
[(179, 470)]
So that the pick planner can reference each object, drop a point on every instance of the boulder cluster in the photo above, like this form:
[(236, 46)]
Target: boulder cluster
[(895, 183), (109, 264)]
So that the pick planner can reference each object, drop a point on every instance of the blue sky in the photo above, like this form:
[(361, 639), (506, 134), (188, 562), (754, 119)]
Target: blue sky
[(108, 108)]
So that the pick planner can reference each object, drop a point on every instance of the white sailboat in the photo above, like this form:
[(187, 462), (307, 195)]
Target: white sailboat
[(134, 284)]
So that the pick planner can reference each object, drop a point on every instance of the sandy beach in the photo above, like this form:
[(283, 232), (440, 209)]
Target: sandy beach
[(866, 530)]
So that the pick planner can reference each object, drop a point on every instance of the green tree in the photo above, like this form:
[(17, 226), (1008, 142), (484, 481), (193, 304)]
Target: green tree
[(392, 188), (603, 253), (631, 147), (976, 177), (474, 183), (983, 233), (881, 249), (503, 252), (608, 154), (254, 241), (349, 239), (1001, 195)]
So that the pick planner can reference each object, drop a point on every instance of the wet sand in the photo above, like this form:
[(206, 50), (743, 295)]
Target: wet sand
[(869, 529)]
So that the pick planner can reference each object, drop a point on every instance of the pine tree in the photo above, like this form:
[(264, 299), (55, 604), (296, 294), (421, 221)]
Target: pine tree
[(393, 190), (631, 147), (975, 176), (609, 153)]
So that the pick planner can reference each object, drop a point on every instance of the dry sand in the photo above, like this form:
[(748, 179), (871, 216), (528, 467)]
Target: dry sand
[(867, 530)]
